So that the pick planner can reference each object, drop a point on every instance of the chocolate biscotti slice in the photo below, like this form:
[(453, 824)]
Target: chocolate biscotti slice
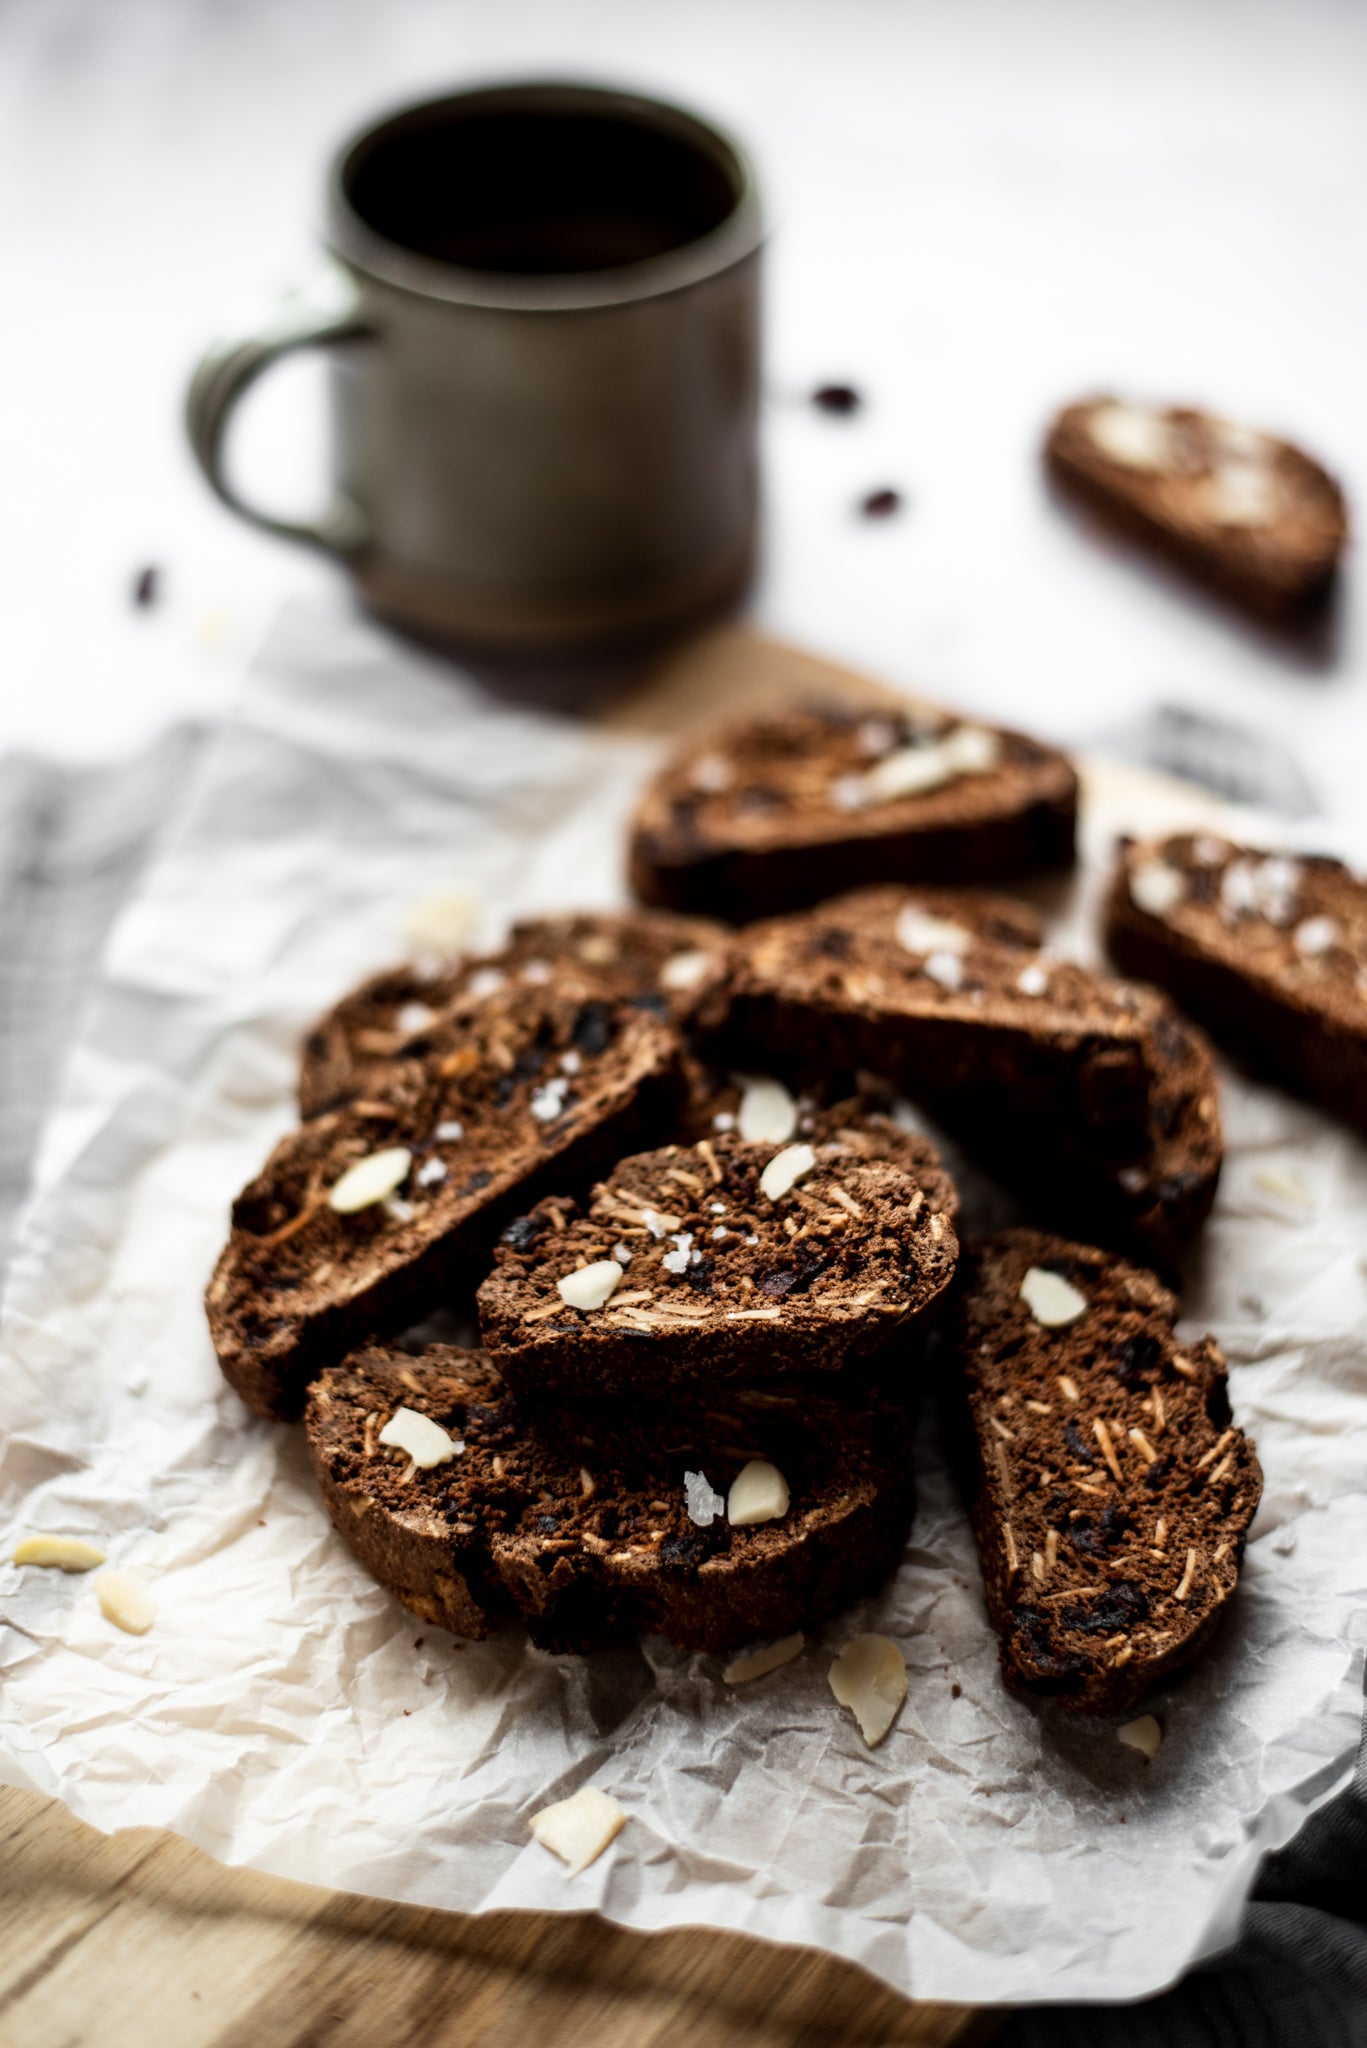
[(661, 962), (1241, 510), (695, 1266), (1111, 1494), (780, 810), (1088, 1093), (373, 1215), (616, 1521), (1268, 950)]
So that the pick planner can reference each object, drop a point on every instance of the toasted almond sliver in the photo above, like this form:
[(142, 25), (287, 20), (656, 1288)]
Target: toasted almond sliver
[(759, 1663), (64, 1553), (578, 1829), (126, 1602), (870, 1678)]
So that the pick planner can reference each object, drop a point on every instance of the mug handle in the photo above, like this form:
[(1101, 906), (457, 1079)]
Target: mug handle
[(325, 313)]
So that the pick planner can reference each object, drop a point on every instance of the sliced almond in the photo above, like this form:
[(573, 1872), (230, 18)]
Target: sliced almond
[(1053, 1301), (759, 1493), (126, 1602), (785, 1170), (591, 1286), (370, 1180), (870, 1678), (578, 1829), (63, 1553), (759, 1663), (767, 1113), (425, 1441), (1145, 1735)]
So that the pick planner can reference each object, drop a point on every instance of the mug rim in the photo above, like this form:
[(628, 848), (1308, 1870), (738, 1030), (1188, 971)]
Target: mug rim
[(737, 236)]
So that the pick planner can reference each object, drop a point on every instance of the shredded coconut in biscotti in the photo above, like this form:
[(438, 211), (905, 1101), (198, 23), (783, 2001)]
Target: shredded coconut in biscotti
[(1110, 1490)]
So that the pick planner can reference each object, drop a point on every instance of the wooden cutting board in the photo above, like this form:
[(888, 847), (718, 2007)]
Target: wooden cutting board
[(138, 1940)]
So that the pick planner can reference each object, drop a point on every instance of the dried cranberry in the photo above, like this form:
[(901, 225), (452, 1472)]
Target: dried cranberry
[(881, 504), (836, 398)]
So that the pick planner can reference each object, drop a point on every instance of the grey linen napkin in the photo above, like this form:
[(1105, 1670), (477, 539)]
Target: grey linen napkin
[(73, 842)]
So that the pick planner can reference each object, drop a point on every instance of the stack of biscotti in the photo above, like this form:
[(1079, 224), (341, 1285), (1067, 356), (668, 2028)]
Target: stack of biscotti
[(702, 1300)]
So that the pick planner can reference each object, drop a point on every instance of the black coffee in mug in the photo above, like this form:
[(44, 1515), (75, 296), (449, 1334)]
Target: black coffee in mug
[(539, 194)]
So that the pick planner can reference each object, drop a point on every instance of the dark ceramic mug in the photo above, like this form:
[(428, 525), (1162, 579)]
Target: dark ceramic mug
[(543, 302)]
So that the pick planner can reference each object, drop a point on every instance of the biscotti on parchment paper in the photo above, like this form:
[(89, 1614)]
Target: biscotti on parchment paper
[(1111, 1494), (1268, 950), (1243, 511), (777, 811)]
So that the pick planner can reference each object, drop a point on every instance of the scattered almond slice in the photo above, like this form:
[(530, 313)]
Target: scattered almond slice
[(425, 1441), (870, 1678), (759, 1663), (126, 1602), (442, 922), (578, 1829), (759, 1493), (767, 1114), (920, 933), (63, 1553), (1053, 1301), (683, 971), (590, 1286), (785, 1170), (370, 1180), (1145, 1735)]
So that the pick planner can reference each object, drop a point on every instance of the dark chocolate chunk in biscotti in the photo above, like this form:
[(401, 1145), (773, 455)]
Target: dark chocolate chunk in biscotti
[(1241, 510), (1111, 1494), (1268, 950), (373, 1215), (660, 962), (1088, 1094), (718, 1262), (780, 810), (712, 1524)]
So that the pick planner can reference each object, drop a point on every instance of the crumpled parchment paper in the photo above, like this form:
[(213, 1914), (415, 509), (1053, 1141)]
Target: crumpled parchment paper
[(284, 1712)]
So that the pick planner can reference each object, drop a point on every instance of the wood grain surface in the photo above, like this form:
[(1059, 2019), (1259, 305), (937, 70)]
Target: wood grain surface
[(138, 1940)]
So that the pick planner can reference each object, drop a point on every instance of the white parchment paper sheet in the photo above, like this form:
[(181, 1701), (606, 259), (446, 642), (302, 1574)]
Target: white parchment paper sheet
[(285, 1713)]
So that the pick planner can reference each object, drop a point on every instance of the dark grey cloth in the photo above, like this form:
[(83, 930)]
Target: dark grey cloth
[(72, 845), (73, 842)]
